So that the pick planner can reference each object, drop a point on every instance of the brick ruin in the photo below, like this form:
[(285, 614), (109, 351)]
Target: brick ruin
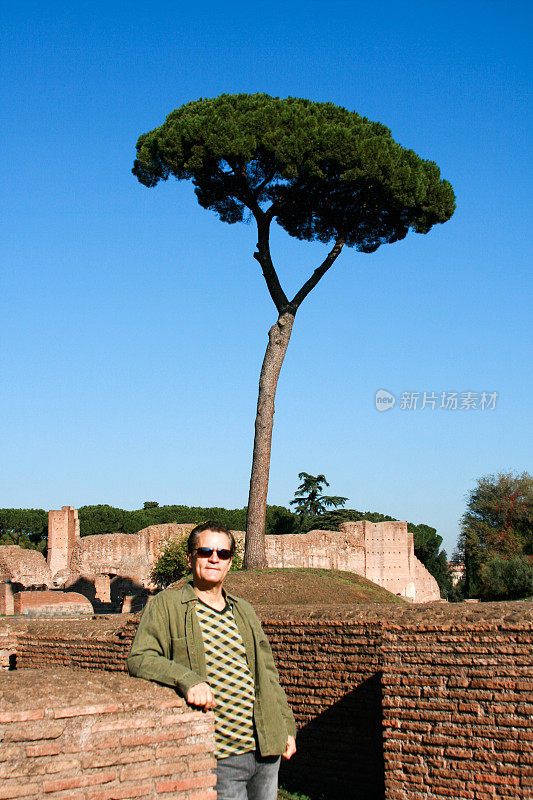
[(63, 535), (392, 703), (114, 569), (383, 552), (399, 703), (103, 736)]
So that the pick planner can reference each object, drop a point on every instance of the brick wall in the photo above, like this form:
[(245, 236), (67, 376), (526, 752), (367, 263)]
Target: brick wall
[(99, 644), (405, 702), (330, 670), (458, 704), (50, 604), (410, 703), (72, 735), (8, 647)]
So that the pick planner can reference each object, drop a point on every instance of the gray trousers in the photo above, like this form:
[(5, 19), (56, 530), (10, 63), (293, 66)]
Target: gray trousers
[(248, 776)]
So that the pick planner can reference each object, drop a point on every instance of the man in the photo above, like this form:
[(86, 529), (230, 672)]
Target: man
[(211, 647)]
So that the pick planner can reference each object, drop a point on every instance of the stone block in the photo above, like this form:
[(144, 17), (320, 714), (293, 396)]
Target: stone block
[(58, 750), (102, 586), (22, 566), (6, 599), (51, 604)]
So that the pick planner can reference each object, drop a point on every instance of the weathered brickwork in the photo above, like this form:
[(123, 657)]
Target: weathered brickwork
[(50, 604), (23, 567), (65, 735), (7, 600), (398, 703), (63, 533), (8, 648), (458, 705), (330, 669), (383, 552), (101, 644)]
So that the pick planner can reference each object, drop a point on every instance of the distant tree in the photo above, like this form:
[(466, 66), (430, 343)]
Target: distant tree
[(102, 519), (108, 519), (27, 527), (150, 504), (506, 578), (280, 520), (323, 173), (309, 501), (498, 524)]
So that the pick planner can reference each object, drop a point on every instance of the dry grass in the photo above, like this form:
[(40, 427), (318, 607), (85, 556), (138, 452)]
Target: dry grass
[(281, 587)]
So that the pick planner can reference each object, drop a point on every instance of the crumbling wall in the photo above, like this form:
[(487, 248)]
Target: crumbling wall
[(50, 604), (155, 537), (63, 533), (128, 555), (7, 601), (102, 644), (400, 702), (113, 554), (8, 647), (427, 702), (426, 586), (383, 552), (342, 550), (389, 552), (330, 666), (24, 567), (73, 734)]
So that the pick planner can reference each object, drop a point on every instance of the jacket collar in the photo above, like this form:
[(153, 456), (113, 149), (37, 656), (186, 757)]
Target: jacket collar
[(188, 594)]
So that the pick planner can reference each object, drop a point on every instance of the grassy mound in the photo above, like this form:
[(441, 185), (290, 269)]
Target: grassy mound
[(282, 587)]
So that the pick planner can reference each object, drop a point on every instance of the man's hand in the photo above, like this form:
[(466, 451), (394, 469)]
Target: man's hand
[(201, 695), (290, 748)]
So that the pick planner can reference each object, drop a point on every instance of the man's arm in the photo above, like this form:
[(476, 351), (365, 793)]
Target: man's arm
[(151, 651)]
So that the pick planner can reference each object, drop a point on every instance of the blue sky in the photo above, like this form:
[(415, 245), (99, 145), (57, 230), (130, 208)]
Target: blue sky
[(134, 322)]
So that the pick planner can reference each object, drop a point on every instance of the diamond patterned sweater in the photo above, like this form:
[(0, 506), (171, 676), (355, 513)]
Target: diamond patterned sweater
[(230, 679)]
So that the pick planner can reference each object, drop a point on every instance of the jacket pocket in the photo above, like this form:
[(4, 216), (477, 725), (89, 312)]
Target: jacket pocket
[(179, 651)]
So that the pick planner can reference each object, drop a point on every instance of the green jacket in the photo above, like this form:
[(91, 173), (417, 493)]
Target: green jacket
[(168, 648)]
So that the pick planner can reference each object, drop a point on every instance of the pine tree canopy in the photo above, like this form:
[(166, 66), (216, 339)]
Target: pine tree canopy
[(323, 172)]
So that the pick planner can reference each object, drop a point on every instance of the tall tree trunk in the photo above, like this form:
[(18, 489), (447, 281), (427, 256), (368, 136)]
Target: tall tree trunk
[(278, 341)]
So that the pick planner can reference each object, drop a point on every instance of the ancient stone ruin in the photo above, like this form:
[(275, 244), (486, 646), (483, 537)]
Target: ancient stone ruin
[(392, 702), (383, 552), (113, 571)]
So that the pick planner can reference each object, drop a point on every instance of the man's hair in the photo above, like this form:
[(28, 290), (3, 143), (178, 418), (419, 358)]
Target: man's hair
[(216, 527)]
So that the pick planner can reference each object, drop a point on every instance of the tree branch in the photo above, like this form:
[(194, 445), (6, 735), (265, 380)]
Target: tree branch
[(263, 257), (317, 274), (265, 182), (270, 213)]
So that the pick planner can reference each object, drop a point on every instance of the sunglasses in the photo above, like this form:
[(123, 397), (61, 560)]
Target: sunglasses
[(207, 552)]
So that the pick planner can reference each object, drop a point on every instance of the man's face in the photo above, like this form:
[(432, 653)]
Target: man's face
[(208, 572)]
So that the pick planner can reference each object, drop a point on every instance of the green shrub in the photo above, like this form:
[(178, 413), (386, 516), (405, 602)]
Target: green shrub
[(507, 578), (283, 794)]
